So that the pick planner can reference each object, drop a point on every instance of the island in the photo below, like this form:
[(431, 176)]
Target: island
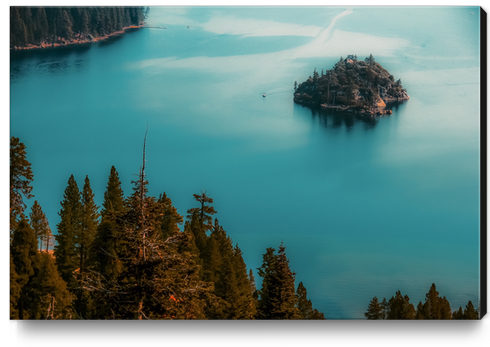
[(358, 86)]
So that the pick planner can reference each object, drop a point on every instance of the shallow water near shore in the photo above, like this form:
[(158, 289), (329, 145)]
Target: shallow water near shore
[(364, 208)]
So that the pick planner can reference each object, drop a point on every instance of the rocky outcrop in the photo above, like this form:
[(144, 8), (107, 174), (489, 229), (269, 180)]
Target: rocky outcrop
[(361, 87)]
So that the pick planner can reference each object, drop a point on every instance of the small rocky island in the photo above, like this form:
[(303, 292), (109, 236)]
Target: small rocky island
[(356, 86)]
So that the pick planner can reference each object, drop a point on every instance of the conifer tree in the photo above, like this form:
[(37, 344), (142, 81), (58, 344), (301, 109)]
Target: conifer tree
[(52, 300), (171, 219), (198, 231), (25, 260), (15, 290), (245, 303), (470, 312), (106, 246), (435, 307), (419, 314), (113, 196), (400, 307), (458, 314), (386, 307), (205, 211), (277, 296), (20, 180), (375, 310), (89, 223), (159, 278), (306, 310), (38, 223), (68, 229)]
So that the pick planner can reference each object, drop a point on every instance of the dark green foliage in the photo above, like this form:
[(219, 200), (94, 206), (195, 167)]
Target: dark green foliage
[(399, 307), (25, 260), (204, 212), (171, 219), (469, 313), (375, 310), (157, 278), (52, 300), (306, 310), (69, 228), (89, 222), (277, 297), (20, 181), (35, 25), (40, 224), (15, 289), (106, 246), (224, 266), (458, 314), (113, 196), (434, 307)]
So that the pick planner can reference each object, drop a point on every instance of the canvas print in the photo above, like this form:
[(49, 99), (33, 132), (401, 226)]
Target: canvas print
[(267, 163)]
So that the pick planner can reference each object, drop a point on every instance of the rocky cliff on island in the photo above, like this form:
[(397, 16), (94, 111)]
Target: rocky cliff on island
[(361, 87)]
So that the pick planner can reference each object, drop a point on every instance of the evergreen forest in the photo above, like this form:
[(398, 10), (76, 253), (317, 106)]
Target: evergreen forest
[(47, 25), (131, 259), (434, 307)]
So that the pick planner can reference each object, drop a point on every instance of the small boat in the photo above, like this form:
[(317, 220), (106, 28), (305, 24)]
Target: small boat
[(263, 95)]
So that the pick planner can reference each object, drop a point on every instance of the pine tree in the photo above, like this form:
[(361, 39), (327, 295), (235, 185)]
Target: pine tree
[(38, 223), (171, 219), (25, 260), (375, 310), (205, 212), (15, 290), (470, 312), (52, 300), (113, 196), (420, 311), (89, 223), (306, 310), (458, 314), (245, 307), (435, 307), (400, 307), (20, 180), (106, 246), (386, 307), (277, 296), (68, 229), (159, 278)]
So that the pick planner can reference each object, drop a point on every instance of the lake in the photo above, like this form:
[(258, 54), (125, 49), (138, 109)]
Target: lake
[(364, 208)]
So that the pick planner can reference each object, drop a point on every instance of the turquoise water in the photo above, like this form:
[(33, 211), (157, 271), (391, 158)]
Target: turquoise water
[(363, 208)]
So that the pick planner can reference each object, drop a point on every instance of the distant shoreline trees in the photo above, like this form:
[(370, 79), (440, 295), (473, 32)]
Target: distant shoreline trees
[(37, 25), (434, 308)]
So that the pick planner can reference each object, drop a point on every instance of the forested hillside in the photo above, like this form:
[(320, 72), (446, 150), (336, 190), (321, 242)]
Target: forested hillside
[(48, 25), (130, 259)]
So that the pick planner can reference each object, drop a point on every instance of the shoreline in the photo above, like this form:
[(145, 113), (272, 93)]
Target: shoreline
[(381, 110), (65, 43)]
